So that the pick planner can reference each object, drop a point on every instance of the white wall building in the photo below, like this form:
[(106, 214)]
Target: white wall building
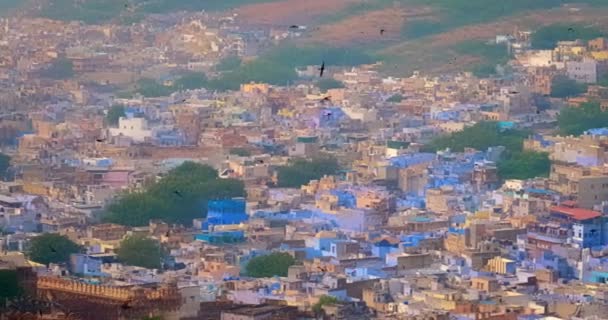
[(134, 128)]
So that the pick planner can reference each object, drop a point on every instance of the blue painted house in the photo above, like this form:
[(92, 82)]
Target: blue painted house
[(225, 212)]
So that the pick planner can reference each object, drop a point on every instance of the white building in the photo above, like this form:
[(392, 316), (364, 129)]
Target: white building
[(584, 71), (134, 128)]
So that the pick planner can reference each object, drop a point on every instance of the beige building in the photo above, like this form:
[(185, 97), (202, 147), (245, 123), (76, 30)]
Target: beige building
[(587, 185), (413, 179), (442, 200), (487, 284)]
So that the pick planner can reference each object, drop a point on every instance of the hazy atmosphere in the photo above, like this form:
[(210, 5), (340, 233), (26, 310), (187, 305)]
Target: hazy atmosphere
[(303, 159)]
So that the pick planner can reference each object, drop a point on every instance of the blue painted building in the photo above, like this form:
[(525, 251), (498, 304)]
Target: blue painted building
[(221, 237), (225, 212), (549, 260), (384, 247)]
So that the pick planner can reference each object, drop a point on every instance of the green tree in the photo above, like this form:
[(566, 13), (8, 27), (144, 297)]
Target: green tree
[(9, 285), (241, 152), (52, 248), (277, 66), (548, 36), (323, 301), (395, 98), (329, 83), (190, 81), (575, 121), (141, 252), (524, 165), (490, 55), (178, 197), (274, 264), (564, 87), (115, 112), (60, 69), (150, 88), (229, 63), (5, 163), (480, 136), (300, 171)]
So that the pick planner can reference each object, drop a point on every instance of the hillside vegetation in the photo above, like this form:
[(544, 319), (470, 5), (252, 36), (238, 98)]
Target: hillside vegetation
[(99, 11)]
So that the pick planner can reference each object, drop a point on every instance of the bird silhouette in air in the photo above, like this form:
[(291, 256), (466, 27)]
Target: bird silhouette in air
[(322, 69), (294, 27), (179, 194), (100, 140), (52, 249), (382, 31), (570, 29)]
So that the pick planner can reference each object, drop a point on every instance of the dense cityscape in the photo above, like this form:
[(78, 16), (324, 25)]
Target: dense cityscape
[(269, 160)]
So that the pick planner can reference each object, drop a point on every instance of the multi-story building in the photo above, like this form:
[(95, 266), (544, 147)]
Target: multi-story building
[(587, 185)]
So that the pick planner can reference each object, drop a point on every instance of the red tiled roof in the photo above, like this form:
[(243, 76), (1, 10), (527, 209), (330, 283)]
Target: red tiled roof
[(576, 213)]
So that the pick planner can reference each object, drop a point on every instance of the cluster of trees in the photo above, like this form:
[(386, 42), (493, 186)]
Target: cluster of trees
[(9, 285), (300, 171), (229, 63), (100, 11), (548, 36), (241, 152), (115, 112), (277, 66), (190, 80), (5, 164), (141, 252), (575, 121), (457, 13), (274, 264), (60, 69), (515, 163), (178, 197), (480, 136), (564, 87), (52, 248), (490, 54), (395, 98), (329, 83), (524, 165)]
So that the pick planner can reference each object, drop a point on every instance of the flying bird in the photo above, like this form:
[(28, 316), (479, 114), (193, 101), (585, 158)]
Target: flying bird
[(179, 194), (52, 249), (100, 140), (382, 31), (294, 27), (322, 69)]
